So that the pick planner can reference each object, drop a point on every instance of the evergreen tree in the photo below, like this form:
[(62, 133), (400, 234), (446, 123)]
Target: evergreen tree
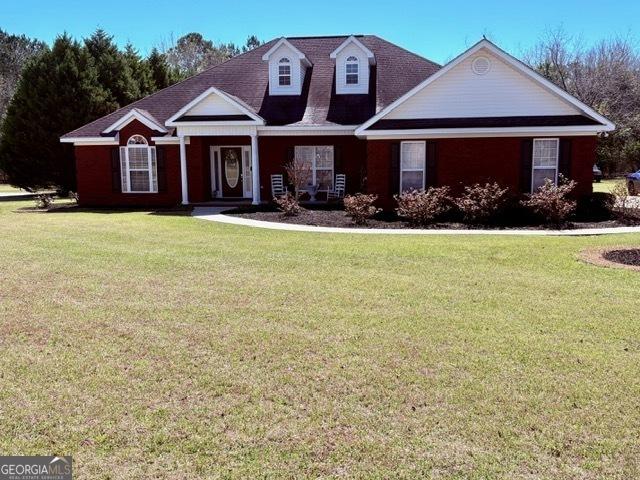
[(114, 73), (161, 74), (58, 92), (140, 72), (251, 43)]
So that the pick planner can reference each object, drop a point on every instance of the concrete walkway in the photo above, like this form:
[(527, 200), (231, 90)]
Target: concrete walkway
[(17, 195), (215, 214)]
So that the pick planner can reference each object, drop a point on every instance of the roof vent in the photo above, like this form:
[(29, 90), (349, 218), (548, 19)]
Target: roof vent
[(480, 65)]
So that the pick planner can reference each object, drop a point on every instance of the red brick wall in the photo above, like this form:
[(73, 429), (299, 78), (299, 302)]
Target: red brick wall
[(273, 156), (459, 162), (464, 161), (93, 170)]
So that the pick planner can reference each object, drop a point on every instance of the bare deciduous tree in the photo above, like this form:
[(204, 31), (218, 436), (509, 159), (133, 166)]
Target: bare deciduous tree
[(605, 76)]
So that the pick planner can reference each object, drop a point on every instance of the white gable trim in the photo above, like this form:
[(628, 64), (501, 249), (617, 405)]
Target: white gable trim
[(91, 141), (607, 125), (284, 41), (256, 119), (574, 131), (370, 56), (135, 114)]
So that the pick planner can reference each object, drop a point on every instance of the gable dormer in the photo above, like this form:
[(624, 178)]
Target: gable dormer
[(287, 67), (353, 62)]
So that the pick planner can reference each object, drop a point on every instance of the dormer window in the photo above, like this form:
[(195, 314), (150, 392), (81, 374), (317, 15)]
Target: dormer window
[(351, 71), (353, 67), (284, 72)]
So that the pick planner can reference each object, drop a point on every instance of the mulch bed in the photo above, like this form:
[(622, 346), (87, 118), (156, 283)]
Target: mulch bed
[(616, 257), (338, 218)]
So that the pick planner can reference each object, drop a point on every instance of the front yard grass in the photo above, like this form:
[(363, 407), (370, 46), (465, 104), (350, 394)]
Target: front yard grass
[(160, 346)]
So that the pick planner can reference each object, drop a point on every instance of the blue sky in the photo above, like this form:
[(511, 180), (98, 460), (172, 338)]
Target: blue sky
[(438, 30)]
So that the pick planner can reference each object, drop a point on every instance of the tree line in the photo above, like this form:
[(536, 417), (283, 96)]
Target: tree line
[(46, 91)]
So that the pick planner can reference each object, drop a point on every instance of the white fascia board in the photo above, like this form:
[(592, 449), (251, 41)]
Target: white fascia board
[(370, 56), (135, 114), (283, 41), (168, 140), (577, 130), (89, 141), (171, 122), (515, 63), (318, 130)]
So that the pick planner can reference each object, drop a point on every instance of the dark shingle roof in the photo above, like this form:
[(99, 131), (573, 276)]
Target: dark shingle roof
[(246, 77)]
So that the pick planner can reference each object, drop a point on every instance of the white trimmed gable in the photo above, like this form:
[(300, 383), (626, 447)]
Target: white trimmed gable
[(214, 104), (482, 85), (285, 54)]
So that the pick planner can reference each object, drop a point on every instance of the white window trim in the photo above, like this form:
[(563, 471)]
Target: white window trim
[(347, 63), (151, 153), (424, 164), (314, 169), (533, 163), (288, 75)]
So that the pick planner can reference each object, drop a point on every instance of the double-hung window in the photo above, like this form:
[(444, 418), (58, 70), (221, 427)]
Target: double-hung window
[(545, 162), (284, 72), (138, 166), (412, 165), (351, 71), (317, 161)]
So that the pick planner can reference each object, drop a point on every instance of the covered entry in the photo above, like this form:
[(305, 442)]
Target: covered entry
[(231, 171)]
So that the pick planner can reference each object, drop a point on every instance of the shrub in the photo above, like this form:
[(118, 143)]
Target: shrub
[(360, 207), (422, 207), (288, 204), (480, 203), (596, 207), (622, 205), (74, 197), (551, 203)]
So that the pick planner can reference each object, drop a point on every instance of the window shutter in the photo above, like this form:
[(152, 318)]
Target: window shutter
[(337, 159), (161, 159), (430, 165), (564, 158), (394, 174), (154, 168), (526, 158), (123, 170), (116, 182), (289, 157)]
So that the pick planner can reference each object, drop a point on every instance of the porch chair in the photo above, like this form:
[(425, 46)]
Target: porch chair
[(278, 188), (339, 188)]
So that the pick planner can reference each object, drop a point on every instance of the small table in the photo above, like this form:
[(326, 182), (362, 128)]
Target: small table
[(312, 190)]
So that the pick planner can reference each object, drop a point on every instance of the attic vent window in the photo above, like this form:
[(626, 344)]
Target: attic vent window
[(351, 71), (480, 65), (284, 72)]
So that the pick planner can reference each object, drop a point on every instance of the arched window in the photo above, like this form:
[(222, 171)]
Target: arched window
[(138, 166), (352, 71), (284, 72)]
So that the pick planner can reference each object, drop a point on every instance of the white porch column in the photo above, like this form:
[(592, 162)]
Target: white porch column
[(255, 169), (183, 171)]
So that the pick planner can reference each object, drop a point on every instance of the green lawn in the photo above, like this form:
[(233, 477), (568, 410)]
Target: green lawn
[(606, 185), (160, 346), (6, 188)]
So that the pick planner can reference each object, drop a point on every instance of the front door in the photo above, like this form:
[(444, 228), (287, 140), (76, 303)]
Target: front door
[(231, 170)]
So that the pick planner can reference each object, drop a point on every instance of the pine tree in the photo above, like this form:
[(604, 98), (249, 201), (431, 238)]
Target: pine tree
[(114, 73), (140, 72), (58, 92), (161, 74)]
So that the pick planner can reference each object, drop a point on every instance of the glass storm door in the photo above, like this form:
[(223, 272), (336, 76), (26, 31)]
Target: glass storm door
[(231, 166)]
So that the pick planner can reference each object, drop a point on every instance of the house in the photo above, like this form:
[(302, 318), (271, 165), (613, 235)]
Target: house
[(387, 118)]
